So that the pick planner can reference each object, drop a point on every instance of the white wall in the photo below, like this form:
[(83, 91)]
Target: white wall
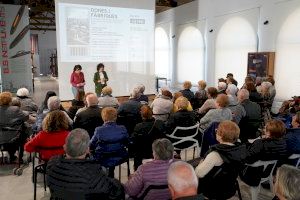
[(47, 46), (275, 11)]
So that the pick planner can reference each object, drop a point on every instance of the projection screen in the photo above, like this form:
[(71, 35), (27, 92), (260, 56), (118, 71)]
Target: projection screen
[(117, 33)]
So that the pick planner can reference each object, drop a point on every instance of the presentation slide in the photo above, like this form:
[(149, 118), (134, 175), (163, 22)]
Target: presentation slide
[(118, 35)]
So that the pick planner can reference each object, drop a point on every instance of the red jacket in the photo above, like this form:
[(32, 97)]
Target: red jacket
[(77, 78), (52, 142)]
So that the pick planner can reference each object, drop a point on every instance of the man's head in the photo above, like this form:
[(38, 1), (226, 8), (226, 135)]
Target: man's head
[(182, 180), (53, 103), (243, 94), (91, 100), (162, 149), (77, 144)]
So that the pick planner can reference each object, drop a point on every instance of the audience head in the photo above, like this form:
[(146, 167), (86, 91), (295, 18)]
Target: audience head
[(229, 75), (55, 121), (53, 103), (77, 68), (15, 102), (271, 80), (222, 101), (107, 91), (100, 67), (135, 94), (146, 112), (212, 92), (92, 100), (177, 95), (109, 114), (5, 98), (231, 90), (181, 103), (274, 129), (249, 79), (48, 95), (22, 92), (77, 144), (250, 86), (162, 149), (265, 86), (296, 120), (243, 95), (84, 98), (141, 88), (202, 84), (228, 131), (229, 80), (167, 93), (222, 86), (182, 180), (258, 80), (187, 85), (221, 80), (287, 183)]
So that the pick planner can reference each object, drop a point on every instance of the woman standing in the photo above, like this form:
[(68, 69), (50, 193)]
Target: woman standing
[(77, 81), (100, 79)]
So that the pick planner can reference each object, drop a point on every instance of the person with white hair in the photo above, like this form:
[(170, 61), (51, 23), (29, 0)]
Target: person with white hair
[(142, 97), (27, 104), (222, 88), (287, 183), (183, 182)]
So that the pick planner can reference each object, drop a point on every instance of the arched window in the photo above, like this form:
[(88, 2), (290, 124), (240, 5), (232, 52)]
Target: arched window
[(190, 63), (162, 51), (287, 67), (235, 39)]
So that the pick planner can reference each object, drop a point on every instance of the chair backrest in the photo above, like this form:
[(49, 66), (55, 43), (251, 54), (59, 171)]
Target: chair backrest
[(191, 138), (295, 157), (265, 165)]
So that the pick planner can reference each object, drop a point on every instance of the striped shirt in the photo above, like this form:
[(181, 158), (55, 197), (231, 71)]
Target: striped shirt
[(152, 173)]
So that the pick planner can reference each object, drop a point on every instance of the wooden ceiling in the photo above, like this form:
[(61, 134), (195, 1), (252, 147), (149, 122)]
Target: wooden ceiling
[(42, 12)]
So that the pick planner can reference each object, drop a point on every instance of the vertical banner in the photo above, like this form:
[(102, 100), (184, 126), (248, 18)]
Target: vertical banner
[(15, 56)]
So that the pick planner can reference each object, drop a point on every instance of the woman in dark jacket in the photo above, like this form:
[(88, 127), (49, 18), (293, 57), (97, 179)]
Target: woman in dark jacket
[(100, 79), (144, 135), (293, 136)]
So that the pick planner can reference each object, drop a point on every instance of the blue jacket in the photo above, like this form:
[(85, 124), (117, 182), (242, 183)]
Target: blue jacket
[(293, 140), (108, 145)]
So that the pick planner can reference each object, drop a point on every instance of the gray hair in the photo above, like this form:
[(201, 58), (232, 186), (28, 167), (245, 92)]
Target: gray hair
[(288, 182), (92, 100), (77, 142), (22, 92), (243, 94), (141, 88), (53, 103), (163, 149), (222, 86), (231, 89), (135, 94), (182, 176)]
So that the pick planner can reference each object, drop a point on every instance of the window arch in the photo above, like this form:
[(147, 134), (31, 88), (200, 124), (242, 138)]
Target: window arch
[(190, 63), (235, 39), (162, 51), (287, 67)]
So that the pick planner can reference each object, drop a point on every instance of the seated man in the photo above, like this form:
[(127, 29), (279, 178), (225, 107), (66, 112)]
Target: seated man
[(183, 182), (153, 172), (73, 177)]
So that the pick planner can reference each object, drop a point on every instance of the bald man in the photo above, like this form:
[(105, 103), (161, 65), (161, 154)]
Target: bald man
[(183, 182), (90, 118)]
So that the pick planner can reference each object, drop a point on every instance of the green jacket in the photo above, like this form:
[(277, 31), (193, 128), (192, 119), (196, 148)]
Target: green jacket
[(99, 86)]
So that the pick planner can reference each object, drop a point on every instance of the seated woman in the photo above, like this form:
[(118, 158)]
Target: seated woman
[(210, 103), (152, 173), (217, 115), (106, 99), (200, 95), (27, 104), (219, 169), (144, 135), (162, 106), (176, 95), (293, 135), (50, 141), (272, 146), (142, 97), (186, 92), (108, 145)]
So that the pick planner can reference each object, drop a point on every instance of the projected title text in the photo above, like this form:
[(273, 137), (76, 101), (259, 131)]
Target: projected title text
[(103, 13)]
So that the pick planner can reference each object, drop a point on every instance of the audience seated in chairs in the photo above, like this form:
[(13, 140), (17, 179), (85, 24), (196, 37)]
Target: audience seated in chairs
[(106, 99), (186, 92), (217, 115), (74, 177), (253, 94), (183, 182), (287, 183), (85, 104), (109, 142), (129, 112), (144, 135), (27, 104), (272, 146), (162, 106), (76, 104), (222, 88), (90, 118), (293, 135), (176, 95), (152, 173), (251, 122), (44, 106), (53, 135), (11, 122), (219, 169), (142, 97), (237, 110), (200, 95), (210, 103)]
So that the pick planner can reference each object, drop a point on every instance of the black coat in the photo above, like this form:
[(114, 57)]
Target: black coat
[(187, 93), (74, 179)]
